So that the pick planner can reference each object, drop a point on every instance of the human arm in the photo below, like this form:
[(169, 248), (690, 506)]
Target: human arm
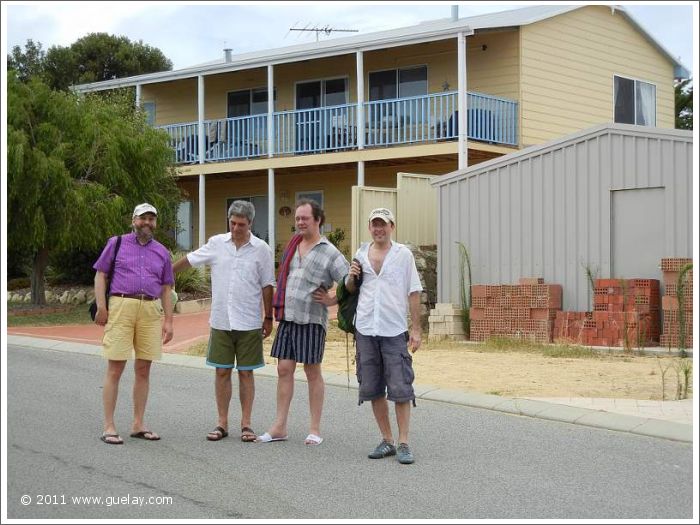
[(167, 302), (414, 309), (267, 304), (321, 295), (181, 264), (354, 274), (102, 314)]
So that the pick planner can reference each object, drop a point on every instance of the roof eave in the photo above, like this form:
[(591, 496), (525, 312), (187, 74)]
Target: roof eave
[(281, 57)]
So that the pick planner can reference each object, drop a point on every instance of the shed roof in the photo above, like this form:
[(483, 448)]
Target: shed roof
[(539, 149)]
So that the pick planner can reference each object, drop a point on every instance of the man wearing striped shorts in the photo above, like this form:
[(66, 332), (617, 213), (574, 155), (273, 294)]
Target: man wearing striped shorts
[(314, 267)]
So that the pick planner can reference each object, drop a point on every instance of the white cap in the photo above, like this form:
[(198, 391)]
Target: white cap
[(382, 213), (144, 208)]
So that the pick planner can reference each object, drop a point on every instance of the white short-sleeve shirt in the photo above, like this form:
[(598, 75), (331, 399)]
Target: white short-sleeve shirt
[(382, 308), (237, 279)]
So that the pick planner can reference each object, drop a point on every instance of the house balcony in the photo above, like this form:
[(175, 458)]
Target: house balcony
[(411, 120)]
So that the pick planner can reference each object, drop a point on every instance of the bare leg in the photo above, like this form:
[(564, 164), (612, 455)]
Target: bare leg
[(246, 391), (285, 391), (142, 371), (110, 390), (380, 407), (403, 416), (316, 394), (222, 390)]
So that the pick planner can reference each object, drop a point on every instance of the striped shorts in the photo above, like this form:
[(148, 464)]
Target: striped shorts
[(303, 343)]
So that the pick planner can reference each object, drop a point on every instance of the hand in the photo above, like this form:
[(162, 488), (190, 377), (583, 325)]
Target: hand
[(266, 328), (355, 269), (101, 316), (322, 296), (167, 331), (414, 341)]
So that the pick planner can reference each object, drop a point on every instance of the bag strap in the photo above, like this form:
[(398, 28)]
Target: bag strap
[(114, 260)]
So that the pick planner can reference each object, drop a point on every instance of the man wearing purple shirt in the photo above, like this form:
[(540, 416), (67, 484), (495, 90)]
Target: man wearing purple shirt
[(143, 273)]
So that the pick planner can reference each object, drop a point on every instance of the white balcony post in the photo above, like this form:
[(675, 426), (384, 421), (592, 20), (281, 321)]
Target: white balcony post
[(270, 112), (270, 152), (201, 208), (360, 172), (271, 209), (360, 101), (462, 100), (200, 117), (138, 96)]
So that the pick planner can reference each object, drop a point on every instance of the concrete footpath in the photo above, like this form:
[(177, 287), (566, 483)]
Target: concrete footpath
[(661, 419)]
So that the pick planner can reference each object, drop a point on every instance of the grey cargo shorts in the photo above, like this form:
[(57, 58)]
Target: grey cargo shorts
[(384, 367)]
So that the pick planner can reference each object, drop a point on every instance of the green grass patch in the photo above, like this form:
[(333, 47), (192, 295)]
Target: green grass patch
[(73, 314)]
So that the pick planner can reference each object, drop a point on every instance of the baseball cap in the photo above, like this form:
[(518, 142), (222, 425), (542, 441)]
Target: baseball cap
[(382, 213), (144, 208)]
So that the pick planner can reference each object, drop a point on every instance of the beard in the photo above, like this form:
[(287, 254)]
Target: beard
[(144, 233)]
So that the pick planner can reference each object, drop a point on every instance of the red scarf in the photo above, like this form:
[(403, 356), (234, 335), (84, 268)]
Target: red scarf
[(283, 272)]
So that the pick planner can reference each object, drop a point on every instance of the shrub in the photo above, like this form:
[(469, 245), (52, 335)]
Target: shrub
[(191, 280)]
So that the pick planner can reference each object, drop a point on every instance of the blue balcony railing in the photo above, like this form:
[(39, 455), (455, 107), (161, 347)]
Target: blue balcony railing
[(427, 118)]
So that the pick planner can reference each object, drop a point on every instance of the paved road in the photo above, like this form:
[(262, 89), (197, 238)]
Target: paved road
[(470, 463)]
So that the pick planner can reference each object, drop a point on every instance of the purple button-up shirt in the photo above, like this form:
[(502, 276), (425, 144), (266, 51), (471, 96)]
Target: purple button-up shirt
[(139, 269)]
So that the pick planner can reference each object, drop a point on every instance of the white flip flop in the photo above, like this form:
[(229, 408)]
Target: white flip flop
[(267, 438), (313, 439)]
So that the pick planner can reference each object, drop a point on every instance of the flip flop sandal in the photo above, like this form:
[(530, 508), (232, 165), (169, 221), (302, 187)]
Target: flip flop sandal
[(217, 434), (105, 439), (145, 434), (248, 435)]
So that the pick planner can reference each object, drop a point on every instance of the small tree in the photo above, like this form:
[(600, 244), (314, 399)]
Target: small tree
[(684, 104), (76, 167)]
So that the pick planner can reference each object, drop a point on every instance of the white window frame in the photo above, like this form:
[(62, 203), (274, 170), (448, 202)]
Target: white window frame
[(636, 81)]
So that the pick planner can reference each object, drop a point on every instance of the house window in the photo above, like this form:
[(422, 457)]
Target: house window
[(150, 109), (321, 93), (247, 102), (635, 102), (395, 83), (313, 195)]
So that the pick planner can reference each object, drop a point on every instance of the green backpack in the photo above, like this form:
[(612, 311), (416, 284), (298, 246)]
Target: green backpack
[(347, 305)]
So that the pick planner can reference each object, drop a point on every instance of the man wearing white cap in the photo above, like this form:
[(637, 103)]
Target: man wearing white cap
[(390, 288), (135, 323)]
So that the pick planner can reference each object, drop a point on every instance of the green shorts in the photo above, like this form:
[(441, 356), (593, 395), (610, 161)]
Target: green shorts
[(242, 350)]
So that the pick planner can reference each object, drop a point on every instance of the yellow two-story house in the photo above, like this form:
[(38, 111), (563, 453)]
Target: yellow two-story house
[(317, 119)]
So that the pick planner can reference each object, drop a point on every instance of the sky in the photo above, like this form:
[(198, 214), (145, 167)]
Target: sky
[(192, 34)]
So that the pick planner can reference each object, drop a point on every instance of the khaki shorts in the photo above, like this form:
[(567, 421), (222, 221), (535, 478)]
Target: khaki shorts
[(239, 349), (135, 328)]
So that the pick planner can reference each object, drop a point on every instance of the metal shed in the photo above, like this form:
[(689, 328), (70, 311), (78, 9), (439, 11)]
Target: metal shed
[(616, 198)]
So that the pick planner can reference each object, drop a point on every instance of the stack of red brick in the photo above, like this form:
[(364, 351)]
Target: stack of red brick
[(622, 309), (524, 311), (671, 305)]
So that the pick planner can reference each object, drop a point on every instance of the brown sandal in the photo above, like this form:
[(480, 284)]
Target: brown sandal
[(248, 435), (217, 434)]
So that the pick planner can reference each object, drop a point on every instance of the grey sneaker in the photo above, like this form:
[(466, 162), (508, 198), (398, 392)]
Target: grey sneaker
[(405, 455), (383, 450)]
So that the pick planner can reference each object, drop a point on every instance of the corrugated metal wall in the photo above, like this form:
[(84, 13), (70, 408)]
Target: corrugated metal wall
[(546, 211)]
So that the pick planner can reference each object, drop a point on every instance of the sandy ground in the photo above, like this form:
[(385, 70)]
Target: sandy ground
[(458, 366)]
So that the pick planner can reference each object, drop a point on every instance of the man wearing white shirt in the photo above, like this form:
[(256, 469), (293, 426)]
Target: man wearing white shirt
[(242, 277), (390, 289)]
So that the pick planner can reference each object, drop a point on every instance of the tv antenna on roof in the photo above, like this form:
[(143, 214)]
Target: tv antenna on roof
[(327, 30)]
